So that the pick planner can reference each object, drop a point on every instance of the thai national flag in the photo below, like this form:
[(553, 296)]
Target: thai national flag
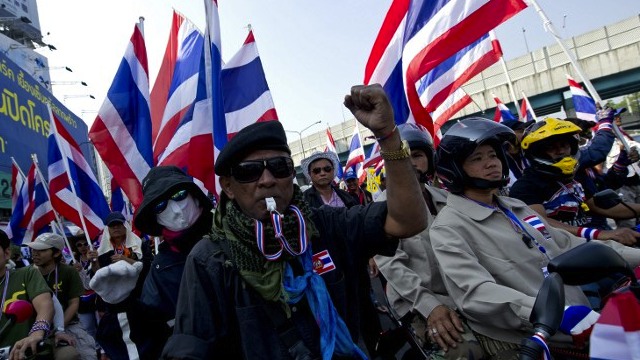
[(616, 335), (331, 147), (42, 213), (20, 205), (438, 84), (118, 202), (247, 98), (418, 35), (454, 103), (174, 89), (585, 106), (121, 132), (526, 110), (502, 111), (356, 154), (74, 190)]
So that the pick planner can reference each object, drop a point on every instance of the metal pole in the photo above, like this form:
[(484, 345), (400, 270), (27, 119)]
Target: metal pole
[(592, 90)]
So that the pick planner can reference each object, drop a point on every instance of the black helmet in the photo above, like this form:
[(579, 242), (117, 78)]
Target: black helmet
[(460, 141), (539, 135), (419, 139)]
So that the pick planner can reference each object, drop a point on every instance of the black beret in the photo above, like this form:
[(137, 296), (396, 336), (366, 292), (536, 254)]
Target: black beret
[(267, 135)]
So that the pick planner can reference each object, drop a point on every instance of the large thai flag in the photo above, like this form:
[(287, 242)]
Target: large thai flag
[(527, 110), (121, 132), (418, 35), (585, 106), (356, 154), (374, 159), (616, 335), (174, 90), (445, 111), (20, 200), (441, 82), (331, 147), (247, 98), (74, 190), (502, 111), (42, 210)]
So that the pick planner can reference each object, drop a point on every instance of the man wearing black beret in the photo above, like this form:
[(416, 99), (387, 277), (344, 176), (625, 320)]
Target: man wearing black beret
[(277, 279)]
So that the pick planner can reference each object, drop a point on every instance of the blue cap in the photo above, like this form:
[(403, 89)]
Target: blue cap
[(114, 217), (350, 174)]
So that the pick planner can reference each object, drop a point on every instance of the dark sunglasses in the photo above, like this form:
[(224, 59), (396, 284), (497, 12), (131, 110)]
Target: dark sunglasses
[(251, 170), (81, 244), (319, 169), (180, 195)]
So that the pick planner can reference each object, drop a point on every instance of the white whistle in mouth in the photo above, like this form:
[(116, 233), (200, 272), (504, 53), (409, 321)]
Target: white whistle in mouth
[(271, 204)]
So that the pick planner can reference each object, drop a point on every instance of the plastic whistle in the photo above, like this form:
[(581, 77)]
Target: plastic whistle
[(271, 204)]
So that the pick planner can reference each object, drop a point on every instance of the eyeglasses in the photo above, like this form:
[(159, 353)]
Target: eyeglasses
[(180, 195), (251, 170), (319, 169), (81, 244)]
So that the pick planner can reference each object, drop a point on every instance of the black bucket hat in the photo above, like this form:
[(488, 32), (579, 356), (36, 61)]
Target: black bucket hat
[(160, 183)]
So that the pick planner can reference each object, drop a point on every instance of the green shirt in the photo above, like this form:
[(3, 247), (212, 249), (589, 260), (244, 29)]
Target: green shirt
[(65, 282), (24, 284)]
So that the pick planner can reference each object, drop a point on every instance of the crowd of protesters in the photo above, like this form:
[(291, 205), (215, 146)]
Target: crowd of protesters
[(459, 237)]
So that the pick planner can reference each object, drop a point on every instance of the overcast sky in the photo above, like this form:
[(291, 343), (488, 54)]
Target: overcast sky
[(312, 51)]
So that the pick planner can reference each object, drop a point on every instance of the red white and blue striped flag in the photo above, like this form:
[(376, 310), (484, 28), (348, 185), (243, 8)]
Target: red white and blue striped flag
[(417, 36), (331, 147), (502, 111), (74, 190), (356, 155), (20, 215), (174, 89), (40, 205), (445, 111), (616, 335), (526, 110), (585, 106), (247, 98), (121, 132)]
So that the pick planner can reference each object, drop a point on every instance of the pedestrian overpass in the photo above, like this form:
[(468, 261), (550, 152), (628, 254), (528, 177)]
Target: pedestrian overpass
[(609, 57)]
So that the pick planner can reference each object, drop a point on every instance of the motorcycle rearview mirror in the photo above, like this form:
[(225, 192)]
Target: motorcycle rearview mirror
[(606, 199), (546, 316), (589, 262), (20, 310)]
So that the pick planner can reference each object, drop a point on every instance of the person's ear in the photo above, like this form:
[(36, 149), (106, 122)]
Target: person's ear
[(225, 183)]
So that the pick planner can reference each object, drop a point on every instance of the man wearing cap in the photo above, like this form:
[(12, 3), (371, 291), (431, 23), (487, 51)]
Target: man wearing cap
[(320, 170), (362, 196), (64, 281), (118, 242), (23, 284), (277, 279)]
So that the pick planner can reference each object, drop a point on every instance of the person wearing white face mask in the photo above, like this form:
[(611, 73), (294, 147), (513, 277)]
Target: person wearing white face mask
[(176, 210)]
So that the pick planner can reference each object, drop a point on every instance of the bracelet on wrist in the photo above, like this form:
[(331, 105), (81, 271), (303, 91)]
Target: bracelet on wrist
[(384, 137), (588, 233), (40, 325), (403, 153)]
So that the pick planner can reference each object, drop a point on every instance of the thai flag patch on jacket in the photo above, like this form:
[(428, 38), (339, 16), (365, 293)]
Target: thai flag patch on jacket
[(322, 262), (535, 221)]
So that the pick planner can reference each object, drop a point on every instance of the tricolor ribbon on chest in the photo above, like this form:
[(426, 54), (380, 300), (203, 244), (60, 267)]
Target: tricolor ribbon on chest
[(276, 221)]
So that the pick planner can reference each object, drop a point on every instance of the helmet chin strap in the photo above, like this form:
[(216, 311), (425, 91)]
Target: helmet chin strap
[(483, 184), (423, 176)]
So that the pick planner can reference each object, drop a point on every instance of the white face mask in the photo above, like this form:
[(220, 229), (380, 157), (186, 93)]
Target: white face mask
[(180, 215)]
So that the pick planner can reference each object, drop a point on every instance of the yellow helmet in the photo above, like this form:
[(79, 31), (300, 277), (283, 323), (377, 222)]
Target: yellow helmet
[(540, 135)]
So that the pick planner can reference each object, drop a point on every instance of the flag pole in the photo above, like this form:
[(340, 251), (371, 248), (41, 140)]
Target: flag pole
[(548, 25), (65, 161), (509, 82), (58, 221), (13, 160)]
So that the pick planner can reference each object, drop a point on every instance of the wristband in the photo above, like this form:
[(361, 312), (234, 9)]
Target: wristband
[(40, 325), (588, 233), (381, 138)]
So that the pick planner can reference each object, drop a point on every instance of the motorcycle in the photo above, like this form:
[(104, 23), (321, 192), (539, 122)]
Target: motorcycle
[(583, 264)]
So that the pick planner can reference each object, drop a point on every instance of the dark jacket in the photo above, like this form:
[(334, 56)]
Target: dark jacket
[(219, 316), (313, 198)]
